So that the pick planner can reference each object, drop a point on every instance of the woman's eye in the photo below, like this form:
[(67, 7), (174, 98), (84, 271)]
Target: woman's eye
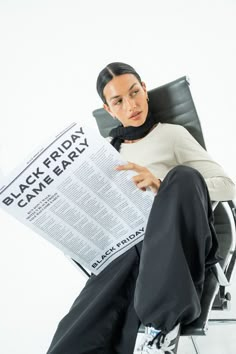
[(118, 102), (134, 92)]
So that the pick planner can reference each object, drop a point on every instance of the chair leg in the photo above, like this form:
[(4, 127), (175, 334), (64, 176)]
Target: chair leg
[(195, 345), (222, 320)]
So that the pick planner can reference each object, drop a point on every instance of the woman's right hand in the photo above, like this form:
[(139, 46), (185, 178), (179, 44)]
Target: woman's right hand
[(144, 179)]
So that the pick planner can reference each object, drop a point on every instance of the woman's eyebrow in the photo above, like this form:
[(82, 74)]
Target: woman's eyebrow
[(113, 97)]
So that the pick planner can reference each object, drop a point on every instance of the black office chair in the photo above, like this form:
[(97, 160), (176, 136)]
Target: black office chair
[(173, 103)]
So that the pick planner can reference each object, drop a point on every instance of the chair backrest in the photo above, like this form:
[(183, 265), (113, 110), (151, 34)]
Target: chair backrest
[(171, 103)]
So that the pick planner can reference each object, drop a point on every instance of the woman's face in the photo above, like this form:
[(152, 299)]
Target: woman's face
[(126, 100)]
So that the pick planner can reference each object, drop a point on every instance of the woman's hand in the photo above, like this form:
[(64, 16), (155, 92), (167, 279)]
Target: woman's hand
[(144, 178)]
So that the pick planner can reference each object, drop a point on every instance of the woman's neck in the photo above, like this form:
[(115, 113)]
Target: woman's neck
[(134, 141)]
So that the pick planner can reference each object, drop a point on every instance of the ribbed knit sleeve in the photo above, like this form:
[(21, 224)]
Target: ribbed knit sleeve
[(190, 153)]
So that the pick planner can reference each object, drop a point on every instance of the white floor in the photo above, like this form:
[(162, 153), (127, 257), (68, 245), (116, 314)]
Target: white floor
[(220, 338)]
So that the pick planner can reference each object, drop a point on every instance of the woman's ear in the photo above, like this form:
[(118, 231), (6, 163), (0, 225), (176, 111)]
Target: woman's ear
[(107, 108), (144, 88)]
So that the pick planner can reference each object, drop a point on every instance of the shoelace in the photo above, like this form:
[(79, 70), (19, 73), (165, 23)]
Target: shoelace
[(160, 338)]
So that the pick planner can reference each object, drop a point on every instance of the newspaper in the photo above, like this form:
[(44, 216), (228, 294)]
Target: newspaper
[(70, 193)]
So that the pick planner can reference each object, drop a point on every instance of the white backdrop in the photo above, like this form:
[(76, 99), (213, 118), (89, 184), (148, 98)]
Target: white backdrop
[(50, 55)]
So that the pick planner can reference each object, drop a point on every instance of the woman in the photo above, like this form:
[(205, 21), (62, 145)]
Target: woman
[(159, 281)]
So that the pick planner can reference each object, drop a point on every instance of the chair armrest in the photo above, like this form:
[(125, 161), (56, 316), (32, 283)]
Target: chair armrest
[(220, 275)]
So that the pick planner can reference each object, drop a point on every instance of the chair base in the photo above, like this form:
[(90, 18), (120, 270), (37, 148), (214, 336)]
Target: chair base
[(216, 321)]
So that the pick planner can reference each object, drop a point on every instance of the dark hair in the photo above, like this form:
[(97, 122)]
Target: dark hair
[(110, 71)]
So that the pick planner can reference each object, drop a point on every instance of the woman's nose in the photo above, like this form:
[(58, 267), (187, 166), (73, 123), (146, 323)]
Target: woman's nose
[(130, 104)]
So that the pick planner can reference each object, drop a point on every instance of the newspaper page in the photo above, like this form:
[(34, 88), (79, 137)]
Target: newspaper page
[(70, 193)]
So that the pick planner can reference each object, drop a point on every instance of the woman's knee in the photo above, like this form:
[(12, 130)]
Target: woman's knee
[(185, 175)]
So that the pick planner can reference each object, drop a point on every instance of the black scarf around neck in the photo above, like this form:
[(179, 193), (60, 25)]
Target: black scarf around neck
[(120, 133)]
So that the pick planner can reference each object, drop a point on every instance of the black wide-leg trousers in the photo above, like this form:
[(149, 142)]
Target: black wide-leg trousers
[(157, 282)]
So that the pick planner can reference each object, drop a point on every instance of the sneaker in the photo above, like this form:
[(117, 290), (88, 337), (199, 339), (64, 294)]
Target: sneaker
[(160, 343), (150, 335)]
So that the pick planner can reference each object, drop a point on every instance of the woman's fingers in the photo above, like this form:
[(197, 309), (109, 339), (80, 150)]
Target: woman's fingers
[(139, 178), (147, 181), (143, 179), (131, 166)]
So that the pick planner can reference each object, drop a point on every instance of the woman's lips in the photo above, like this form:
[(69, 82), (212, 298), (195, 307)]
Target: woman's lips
[(135, 115)]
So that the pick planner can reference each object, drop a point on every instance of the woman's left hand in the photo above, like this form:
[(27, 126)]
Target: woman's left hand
[(144, 178)]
